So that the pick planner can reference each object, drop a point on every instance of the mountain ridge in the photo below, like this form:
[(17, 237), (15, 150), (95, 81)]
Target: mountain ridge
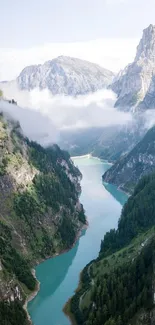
[(128, 170), (65, 75), (132, 85)]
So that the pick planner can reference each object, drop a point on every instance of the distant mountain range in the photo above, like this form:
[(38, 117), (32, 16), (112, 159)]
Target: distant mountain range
[(135, 88), (65, 75), (134, 85), (108, 143)]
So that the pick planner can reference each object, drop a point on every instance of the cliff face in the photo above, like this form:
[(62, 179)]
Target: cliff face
[(40, 211), (127, 171), (135, 84)]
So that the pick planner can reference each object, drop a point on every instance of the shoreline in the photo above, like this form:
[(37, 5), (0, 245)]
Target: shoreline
[(89, 155), (31, 296), (35, 292), (68, 313), (118, 187), (66, 308), (122, 190)]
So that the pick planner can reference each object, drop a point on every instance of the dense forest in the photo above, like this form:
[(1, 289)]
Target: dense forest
[(118, 285), (12, 313), (138, 215)]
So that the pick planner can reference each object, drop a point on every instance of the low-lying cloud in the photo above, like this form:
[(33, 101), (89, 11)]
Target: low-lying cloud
[(35, 125), (43, 116)]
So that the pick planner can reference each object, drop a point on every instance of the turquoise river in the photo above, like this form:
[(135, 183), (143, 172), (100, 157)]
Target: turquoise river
[(59, 276)]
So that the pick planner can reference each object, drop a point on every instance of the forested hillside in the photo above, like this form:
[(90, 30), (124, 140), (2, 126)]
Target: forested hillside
[(40, 213), (118, 287)]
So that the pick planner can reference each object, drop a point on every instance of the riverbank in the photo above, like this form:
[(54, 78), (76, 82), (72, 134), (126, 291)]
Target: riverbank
[(89, 156), (59, 276), (118, 187), (68, 313), (67, 306), (35, 292), (31, 296)]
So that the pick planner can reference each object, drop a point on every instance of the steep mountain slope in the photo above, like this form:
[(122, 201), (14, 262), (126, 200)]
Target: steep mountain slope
[(108, 143), (40, 213), (127, 171), (118, 287), (135, 84), (65, 75)]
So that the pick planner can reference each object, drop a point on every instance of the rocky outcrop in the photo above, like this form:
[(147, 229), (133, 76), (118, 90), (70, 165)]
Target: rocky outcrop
[(135, 84), (149, 99), (65, 75), (127, 171)]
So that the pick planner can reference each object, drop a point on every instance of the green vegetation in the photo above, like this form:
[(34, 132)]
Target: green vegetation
[(13, 262), (137, 215), (116, 286), (38, 216), (12, 313), (50, 192)]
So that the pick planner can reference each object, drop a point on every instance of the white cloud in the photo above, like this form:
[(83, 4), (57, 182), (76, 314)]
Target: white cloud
[(112, 54), (43, 116), (34, 124)]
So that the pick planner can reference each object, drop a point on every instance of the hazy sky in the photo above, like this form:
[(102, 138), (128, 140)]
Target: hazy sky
[(29, 23), (104, 31)]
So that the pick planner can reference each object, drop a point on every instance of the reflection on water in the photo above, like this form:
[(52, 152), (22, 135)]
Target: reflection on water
[(53, 272), (59, 276), (120, 196)]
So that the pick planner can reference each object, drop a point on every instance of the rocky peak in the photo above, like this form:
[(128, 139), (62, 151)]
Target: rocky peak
[(146, 47), (65, 75), (135, 83)]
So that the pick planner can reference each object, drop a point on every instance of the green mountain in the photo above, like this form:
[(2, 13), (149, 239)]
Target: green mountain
[(118, 287), (40, 214), (140, 161)]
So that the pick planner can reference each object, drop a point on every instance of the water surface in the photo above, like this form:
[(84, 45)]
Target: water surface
[(59, 276)]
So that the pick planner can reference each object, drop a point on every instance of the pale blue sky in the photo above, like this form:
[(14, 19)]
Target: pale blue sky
[(100, 31), (29, 23)]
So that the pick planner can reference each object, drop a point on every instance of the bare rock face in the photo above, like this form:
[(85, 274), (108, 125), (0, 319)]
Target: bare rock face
[(135, 84), (127, 171), (65, 75), (149, 99)]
